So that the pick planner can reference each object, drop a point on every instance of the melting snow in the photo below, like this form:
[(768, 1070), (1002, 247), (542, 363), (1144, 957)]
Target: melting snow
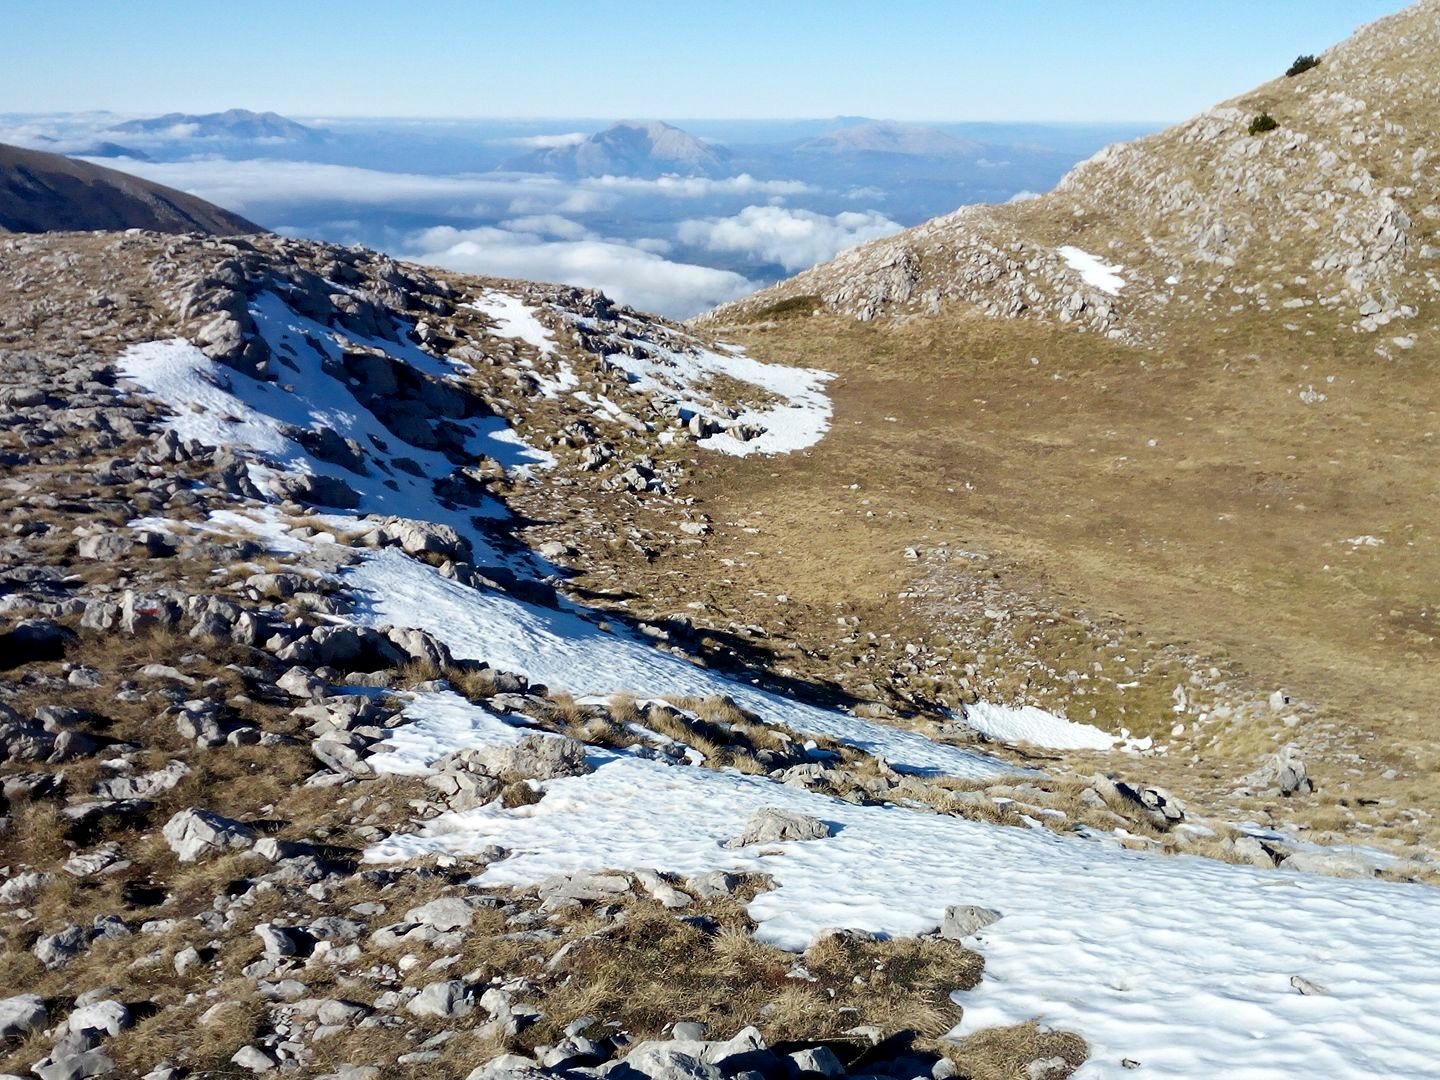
[(1182, 964), (1092, 271), (566, 652), (799, 420), (1037, 727), (514, 318), (223, 407)]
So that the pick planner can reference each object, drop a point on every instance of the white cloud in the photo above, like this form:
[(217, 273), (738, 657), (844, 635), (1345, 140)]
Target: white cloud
[(554, 225), (793, 238), (249, 185), (632, 276), (1023, 196), (699, 187), (546, 142)]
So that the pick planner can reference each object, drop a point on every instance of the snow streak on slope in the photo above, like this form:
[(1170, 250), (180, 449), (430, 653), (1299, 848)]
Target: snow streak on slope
[(1092, 271), (1037, 727), (566, 652), (1182, 964), (515, 319)]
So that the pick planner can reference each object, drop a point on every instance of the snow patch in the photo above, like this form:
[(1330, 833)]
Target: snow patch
[(1092, 271), (799, 420), (1028, 724)]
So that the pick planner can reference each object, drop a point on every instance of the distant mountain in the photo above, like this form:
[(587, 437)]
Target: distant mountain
[(42, 192), (231, 124), (629, 148), (108, 149), (890, 137)]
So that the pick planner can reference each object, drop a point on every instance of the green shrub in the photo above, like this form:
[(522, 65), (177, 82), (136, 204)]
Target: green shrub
[(1263, 123), (1303, 62)]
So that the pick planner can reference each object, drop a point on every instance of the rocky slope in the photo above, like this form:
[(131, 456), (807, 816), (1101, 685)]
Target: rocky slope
[(317, 758), (1330, 220), (42, 192)]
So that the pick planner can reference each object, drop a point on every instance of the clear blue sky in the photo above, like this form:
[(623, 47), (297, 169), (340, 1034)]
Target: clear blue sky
[(904, 59)]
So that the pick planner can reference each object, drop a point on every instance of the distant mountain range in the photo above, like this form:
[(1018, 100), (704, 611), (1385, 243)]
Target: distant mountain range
[(42, 192), (648, 149), (230, 124), (890, 137)]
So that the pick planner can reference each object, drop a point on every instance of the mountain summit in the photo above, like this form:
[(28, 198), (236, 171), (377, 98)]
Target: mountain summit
[(1333, 210), (629, 148)]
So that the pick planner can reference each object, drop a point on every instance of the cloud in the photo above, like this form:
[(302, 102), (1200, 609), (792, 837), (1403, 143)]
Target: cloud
[(640, 278), (548, 225), (1023, 196), (252, 185), (794, 239), (699, 187), (546, 142)]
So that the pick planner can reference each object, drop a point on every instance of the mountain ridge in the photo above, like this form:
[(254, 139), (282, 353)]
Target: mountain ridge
[(1340, 194), (43, 192)]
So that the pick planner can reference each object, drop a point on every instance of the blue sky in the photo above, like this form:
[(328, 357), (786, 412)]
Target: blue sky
[(1068, 60)]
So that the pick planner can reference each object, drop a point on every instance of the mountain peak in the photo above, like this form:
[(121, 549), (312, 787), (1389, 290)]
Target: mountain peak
[(629, 148)]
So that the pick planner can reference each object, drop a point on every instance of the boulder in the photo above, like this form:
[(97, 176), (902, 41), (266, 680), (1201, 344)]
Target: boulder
[(534, 757), (963, 920), (443, 999), (193, 834), (21, 1015), (771, 824)]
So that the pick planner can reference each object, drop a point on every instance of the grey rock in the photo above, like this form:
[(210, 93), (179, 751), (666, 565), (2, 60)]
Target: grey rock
[(193, 834), (279, 941), (714, 885), (144, 785), (58, 949), (21, 1015), (963, 920), (818, 1059), (108, 1016), (509, 1067), (105, 547), (771, 824), (534, 757), (254, 1058), (444, 999), (75, 1066), (445, 914)]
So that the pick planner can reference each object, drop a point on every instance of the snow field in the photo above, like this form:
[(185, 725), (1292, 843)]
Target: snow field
[(1182, 964)]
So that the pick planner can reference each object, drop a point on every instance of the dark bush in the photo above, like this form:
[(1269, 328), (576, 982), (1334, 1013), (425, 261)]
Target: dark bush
[(1263, 123), (1303, 62)]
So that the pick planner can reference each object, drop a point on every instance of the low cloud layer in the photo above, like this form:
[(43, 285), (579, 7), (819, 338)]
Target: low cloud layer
[(790, 238), (254, 185), (631, 275)]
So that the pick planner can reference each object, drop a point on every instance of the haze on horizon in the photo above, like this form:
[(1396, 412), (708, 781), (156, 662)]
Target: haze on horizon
[(1022, 60)]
